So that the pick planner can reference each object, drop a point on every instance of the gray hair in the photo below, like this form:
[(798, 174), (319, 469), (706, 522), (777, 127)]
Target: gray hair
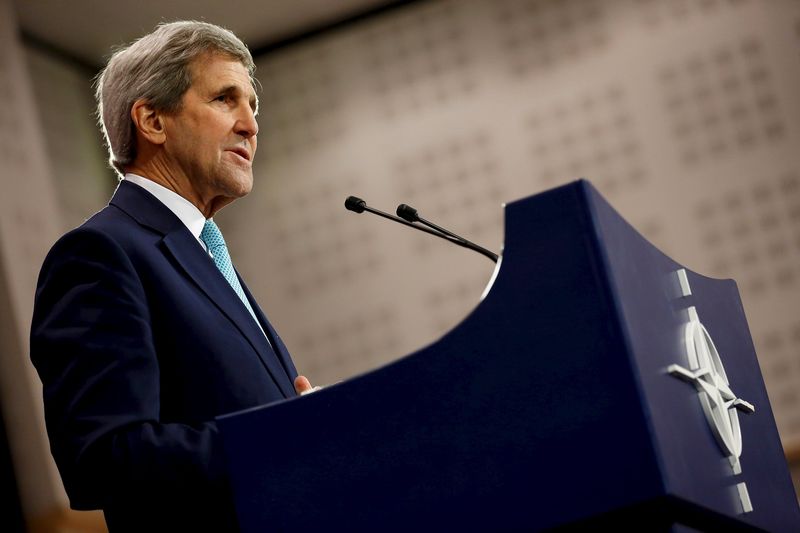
[(156, 68)]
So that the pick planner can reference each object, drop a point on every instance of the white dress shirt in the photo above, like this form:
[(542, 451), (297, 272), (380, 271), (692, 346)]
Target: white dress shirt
[(185, 210)]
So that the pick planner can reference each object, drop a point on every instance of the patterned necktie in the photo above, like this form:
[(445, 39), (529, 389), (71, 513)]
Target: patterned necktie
[(212, 236)]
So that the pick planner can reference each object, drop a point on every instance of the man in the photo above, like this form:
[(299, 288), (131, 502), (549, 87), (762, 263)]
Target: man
[(142, 331)]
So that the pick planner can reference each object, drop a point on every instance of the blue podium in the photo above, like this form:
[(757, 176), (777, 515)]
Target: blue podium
[(597, 384)]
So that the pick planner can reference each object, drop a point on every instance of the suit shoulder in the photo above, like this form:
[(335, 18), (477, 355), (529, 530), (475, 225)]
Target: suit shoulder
[(108, 236), (110, 227), (110, 220)]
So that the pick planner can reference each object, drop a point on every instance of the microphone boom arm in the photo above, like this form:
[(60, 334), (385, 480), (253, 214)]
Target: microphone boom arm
[(408, 213), (464, 242), (406, 223)]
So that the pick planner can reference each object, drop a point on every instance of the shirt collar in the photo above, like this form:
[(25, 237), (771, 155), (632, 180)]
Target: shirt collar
[(185, 210)]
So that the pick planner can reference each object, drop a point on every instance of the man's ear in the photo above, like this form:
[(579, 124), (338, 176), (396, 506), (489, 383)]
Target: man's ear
[(149, 122)]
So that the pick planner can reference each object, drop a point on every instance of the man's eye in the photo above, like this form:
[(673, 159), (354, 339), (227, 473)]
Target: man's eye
[(222, 98)]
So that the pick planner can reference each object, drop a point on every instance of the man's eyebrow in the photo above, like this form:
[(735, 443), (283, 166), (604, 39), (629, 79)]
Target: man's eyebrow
[(228, 89)]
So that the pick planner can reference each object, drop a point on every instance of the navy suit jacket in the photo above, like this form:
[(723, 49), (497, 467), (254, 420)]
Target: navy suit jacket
[(140, 342)]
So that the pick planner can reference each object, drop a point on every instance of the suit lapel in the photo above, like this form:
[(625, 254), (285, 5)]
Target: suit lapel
[(277, 343), (195, 262), (200, 267)]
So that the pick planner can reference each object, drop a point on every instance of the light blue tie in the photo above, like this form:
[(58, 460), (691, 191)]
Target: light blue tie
[(212, 236)]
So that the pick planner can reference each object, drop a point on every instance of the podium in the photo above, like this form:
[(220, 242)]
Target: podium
[(597, 384)]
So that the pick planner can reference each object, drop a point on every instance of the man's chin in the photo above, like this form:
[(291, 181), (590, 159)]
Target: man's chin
[(240, 185), (247, 186)]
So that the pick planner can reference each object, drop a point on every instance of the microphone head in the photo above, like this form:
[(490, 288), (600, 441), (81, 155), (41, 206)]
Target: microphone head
[(406, 212), (355, 204)]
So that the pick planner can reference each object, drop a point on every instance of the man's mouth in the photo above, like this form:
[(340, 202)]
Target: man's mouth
[(241, 152)]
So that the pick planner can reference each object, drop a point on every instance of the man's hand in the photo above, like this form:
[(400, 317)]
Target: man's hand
[(303, 386)]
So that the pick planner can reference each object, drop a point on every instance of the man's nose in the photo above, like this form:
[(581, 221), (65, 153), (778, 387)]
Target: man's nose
[(246, 124)]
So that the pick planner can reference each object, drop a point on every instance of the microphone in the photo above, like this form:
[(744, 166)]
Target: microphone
[(410, 214), (355, 204)]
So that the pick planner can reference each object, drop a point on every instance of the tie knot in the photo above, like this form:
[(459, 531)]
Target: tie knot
[(211, 235)]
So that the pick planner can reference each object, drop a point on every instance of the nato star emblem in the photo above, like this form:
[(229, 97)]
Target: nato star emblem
[(707, 374)]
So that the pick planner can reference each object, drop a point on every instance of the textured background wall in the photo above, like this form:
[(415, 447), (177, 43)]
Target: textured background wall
[(29, 223), (684, 114), (53, 176), (80, 176)]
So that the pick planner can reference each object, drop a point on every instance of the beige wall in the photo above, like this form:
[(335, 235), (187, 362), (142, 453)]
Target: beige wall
[(29, 221), (81, 179), (52, 178), (685, 114)]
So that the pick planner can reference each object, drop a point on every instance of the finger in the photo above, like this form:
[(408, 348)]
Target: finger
[(301, 384)]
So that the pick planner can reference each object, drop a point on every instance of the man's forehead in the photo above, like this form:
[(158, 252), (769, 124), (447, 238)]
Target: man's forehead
[(214, 71)]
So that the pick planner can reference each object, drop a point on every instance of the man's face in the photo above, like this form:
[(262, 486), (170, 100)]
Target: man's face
[(211, 139)]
